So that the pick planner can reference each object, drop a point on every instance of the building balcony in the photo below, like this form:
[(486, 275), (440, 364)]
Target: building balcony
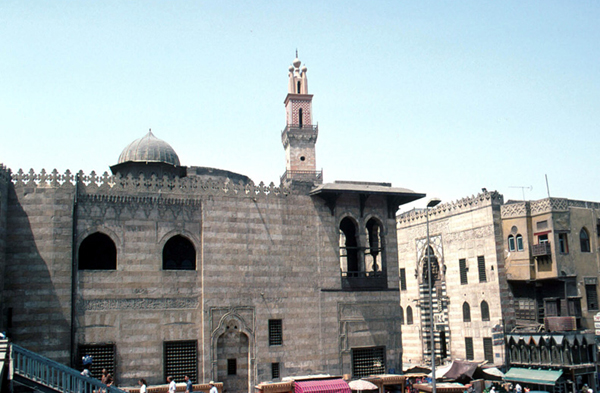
[(314, 176), (541, 250), (301, 128), (364, 280)]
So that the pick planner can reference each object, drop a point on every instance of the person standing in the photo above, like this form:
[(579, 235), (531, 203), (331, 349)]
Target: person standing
[(172, 386), (189, 388), (213, 388), (106, 379), (143, 385)]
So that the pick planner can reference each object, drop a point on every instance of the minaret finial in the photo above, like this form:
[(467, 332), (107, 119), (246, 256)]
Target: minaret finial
[(296, 53)]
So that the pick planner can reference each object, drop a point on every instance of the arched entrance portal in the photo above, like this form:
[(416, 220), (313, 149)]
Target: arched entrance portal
[(233, 354)]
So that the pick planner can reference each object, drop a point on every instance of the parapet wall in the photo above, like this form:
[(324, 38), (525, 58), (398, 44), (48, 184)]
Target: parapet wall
[(447, 209), (116, 184), (546, 205)]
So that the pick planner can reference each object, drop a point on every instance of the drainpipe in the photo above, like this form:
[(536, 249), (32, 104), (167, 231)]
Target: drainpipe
[(74, 272)]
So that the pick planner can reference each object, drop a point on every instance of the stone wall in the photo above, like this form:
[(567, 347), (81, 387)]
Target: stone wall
[(263, 252)]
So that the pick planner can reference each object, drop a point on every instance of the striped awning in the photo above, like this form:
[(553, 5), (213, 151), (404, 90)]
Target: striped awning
[(322, 386)]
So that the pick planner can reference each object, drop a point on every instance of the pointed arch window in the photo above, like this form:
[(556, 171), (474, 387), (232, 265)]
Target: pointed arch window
[(300, 120), (97, 252), (179, 254), (485, 311), (374, 253), (584, 239), (298, 84), (466, 312), (435, 267), (401, 316), (409, 315), (511, 243)]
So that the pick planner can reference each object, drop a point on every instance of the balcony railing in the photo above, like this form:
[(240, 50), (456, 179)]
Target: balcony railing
[(300, 127), (364, 280), (542, 249), (316, 176)]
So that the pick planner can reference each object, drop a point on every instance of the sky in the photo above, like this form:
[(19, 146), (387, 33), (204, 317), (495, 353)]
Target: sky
[(440, 97)]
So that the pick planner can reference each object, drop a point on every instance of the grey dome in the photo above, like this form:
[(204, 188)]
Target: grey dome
[(149, 149)]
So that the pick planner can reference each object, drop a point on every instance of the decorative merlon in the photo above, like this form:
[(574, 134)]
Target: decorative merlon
[(118, 184), (482, 199)]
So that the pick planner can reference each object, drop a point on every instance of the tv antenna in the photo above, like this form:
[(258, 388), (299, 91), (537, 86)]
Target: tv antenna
[(523, 188)]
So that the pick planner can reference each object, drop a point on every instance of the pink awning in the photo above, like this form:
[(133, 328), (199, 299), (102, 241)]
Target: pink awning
[(322, 386)]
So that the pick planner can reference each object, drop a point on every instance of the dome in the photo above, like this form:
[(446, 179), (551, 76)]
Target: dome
[(149, 149)]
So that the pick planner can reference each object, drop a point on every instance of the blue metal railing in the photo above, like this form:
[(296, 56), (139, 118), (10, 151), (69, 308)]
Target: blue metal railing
[(46, 372)]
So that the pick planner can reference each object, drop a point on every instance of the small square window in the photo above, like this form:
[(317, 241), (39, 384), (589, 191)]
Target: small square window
[(231, 366), (275, 332)]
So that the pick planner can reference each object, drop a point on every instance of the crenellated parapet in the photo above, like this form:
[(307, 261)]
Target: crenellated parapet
[(187, 187), (486, 198)]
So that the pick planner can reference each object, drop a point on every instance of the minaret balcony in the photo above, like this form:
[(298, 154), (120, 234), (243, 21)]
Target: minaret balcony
[(313, 176), (296, 128), (299, 132)]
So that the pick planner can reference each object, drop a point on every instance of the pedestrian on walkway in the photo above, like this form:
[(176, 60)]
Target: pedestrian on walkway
[(143, 385), (189, 388), (172, 386)]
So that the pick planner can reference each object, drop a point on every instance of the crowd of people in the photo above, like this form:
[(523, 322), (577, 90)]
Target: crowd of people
[(108, 380)]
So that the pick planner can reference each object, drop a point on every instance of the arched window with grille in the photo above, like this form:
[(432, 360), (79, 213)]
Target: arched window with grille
[(485, 311), (466, 312), (409, 315), (179, 253), (97, 252)]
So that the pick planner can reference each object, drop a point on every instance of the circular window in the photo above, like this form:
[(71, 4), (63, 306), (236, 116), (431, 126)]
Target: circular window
[(302, 158)]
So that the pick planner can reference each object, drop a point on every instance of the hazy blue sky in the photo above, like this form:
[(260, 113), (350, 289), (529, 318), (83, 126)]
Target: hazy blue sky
[(442, 97)]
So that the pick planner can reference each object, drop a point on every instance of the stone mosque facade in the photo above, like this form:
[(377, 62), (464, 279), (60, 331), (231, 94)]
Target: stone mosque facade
[(161, 269)]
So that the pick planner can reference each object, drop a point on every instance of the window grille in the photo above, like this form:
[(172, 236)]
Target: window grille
[(181, 359), (275, 332), (231, 366), (462, 263), (488, 350), (275, 371), (469, 348), (481, 268), (368, 361), (409, 316), (103, 356), (403, 279), (592, 297)]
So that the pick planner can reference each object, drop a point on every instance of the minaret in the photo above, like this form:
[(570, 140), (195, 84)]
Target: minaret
[(300, 135)]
